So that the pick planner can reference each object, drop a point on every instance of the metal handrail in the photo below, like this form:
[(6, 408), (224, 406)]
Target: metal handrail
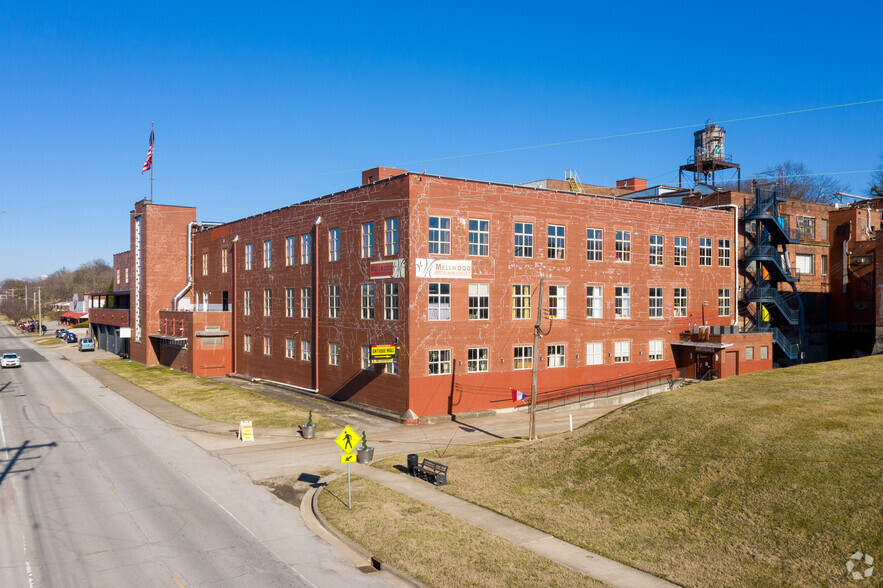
[(768, 292), (614, 387)]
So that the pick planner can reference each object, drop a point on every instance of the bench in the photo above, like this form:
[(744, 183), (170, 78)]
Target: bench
[(433, 471)]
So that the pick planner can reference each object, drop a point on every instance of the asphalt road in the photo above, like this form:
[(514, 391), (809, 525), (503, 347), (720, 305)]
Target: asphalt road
[(94, 491)]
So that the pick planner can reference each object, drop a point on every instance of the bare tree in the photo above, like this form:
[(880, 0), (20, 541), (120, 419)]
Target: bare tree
[(800, 183), (875, 186)]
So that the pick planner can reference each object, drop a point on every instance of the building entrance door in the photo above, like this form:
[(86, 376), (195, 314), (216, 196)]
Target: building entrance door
[(704, 364)]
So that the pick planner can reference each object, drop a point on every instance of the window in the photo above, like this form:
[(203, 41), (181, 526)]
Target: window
[(523, 239), (594, 353), (289, 302), (268, 344), (621, 352), (306, 350), (366, 357), (391, 236), (558, 302), (439, 362), (823, 229), (523, 357), (655, 350), (556, 242), (723, 302), (764, 352), (479, 237), (224, 262), (204, 266), (392, 368), (246, 303), (268, 301), (246, 343), (521, 301), (594, 301), (623, 245), (479, 302), (656, 249), (805, 263), (655, 302), (439, 235), (622, 302), (334, 245), (477, 359), (225, 268), (248, 256), (555, 355), (306, 302), (680, 302), (367, 301), (367, 239), (439, 301), (290, 344), (391, 301), (594, 244), (705, 251), (334, 354), (824, 265), (306, 248), (268, 254), (749, 353), (723, 252), (289, 250), (806, 227), (680, 251), (334, 301)]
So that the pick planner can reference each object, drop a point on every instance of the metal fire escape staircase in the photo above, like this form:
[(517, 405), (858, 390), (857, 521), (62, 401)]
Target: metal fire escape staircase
[(765, 262)]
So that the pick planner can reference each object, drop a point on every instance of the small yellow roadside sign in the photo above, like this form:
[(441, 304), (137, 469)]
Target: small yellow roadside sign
[(347, 440), (348, 458), (246, 431)]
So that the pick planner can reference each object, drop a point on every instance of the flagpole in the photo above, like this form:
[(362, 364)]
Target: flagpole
[(151, 164)]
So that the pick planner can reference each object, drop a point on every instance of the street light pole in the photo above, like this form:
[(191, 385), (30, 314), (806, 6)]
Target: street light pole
[(536, 357)]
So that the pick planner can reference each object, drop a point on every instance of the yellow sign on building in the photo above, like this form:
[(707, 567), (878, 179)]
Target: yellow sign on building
[(347, 440), (383, 353)]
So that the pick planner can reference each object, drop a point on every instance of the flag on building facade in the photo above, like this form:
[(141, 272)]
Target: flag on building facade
[(517, 395), (148, 163)]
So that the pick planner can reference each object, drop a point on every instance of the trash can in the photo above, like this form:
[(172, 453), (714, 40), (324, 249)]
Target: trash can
[(412, 463)]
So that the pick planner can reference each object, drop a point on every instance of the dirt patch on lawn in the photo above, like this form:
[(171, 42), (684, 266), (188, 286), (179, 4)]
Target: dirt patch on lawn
[(292, 489)]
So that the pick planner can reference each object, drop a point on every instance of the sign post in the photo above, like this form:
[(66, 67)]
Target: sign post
[(347, 441)]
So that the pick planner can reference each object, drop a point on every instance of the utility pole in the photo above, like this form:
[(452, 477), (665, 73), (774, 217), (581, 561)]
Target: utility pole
[(536, 363), (39, 330)]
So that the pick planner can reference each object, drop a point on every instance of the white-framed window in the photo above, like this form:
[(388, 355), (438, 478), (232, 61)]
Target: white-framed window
[(439, 362), (806, 227), (246, 303), (594, 353), (556, 242), (557, 301), (440, 235), (621, 352), (118, 277), (723, 302), (368, 301), (127, 270), (623, 245), (594, 301), (306, 350), (723, 252), (306, 302), (704, 250), (333, 244), (680, 251), (290, 346), (479, 302), (805, 263), (334, 301), (824, 267), (268, 345), (622, 302), (306, 248), (268, 301), (290, 250), (246, 343), (555, 355), (479, 237), (522, 357), (680, 302), (523, 239), (391, 368), (594, 244), (248, 256), (655, 302), (391, 301), (764, 352), (204, 266), (225, 260), (268, 254), (368, 239), (391, 236), (290, 298), (655, 350), (749, 353), (334, 353), (823, 229), (521, 301), (477, 359), (439, 301), (657, 249), (366, 357)]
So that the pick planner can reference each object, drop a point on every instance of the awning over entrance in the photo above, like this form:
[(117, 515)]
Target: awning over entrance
[(703, 346), (168, 338)]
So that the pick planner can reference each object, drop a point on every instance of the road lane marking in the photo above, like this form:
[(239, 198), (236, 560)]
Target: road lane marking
[(24, 543), (176, 579)]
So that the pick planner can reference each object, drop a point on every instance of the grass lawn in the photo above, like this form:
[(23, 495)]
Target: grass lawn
[(431, 546), (49, 341), (209, 399), (768, 479)]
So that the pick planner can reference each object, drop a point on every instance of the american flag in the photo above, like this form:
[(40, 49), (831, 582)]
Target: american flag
[(148, 163)]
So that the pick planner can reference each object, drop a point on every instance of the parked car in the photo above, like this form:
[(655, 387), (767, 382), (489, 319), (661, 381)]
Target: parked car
[(10, 359), (70, 337), (87, 344), (61, 333)]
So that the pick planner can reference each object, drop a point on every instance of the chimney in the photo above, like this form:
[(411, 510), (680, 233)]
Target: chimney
[(633, 184), (375, 174)]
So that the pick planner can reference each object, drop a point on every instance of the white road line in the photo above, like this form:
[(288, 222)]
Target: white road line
[(24, 544)]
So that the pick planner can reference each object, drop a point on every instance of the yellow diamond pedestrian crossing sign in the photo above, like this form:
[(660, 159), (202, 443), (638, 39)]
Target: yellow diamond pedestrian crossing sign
[(347, 440)]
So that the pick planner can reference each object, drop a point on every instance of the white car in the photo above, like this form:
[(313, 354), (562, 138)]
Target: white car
[(10, 359)]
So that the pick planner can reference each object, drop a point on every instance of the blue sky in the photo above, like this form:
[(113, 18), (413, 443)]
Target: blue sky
[(262, 105)]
